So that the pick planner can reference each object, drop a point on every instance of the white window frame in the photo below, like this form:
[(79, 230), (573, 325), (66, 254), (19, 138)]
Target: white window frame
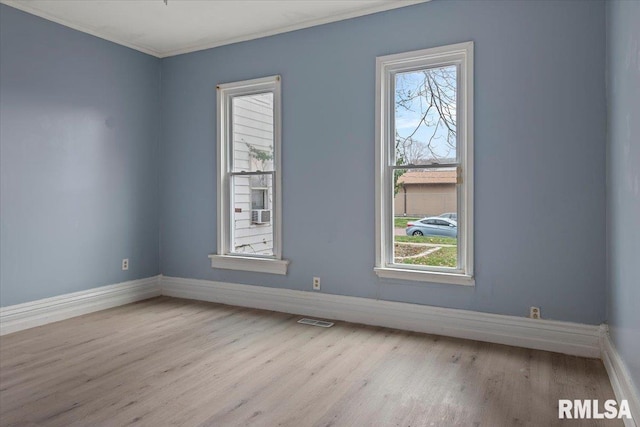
[(225, 258), (386, 68)]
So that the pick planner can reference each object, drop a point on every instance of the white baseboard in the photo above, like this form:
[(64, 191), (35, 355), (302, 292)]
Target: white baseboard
[(620, 378), (36, 313), (562, 337)]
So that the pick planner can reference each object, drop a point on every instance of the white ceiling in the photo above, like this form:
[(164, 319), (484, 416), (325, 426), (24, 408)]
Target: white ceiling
[(183, 26)]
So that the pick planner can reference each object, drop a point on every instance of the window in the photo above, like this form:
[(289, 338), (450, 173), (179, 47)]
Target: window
[(249, 177), (424, 165), (259, 198)]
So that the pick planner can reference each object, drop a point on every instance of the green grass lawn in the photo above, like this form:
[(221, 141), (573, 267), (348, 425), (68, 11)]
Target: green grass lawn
[(445, 257), (427, 239), (401, 221)]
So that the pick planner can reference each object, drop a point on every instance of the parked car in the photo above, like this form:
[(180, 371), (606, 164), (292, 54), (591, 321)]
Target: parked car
[(450, 215), (433, 226)]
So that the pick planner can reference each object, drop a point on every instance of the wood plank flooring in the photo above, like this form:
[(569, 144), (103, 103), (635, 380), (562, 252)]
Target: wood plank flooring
[(169, 361)]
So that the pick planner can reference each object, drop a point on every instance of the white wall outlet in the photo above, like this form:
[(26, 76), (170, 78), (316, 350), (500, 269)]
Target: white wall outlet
[(534, 312), (316, 283), (125, 264)]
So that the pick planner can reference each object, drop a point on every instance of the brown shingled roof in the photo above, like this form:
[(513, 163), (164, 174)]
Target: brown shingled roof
[(428, 177)]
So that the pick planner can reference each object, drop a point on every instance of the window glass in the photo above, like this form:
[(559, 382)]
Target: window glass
[(424, 150), (249, 179), (252, 128), (425, 116)]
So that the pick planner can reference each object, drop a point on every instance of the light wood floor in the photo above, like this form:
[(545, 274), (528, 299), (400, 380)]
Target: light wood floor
[(168, 361)]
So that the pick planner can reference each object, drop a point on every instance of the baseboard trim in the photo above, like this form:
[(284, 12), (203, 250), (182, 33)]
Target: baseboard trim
[(620, 378), (562, 337), (36, 313)]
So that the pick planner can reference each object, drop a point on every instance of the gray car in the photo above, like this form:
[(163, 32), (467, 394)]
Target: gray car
[(433, 226)]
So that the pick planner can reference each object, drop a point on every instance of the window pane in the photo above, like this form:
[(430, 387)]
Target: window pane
[(425, 213), (252, 214), (259, 199), (252, 127), (425, 116)]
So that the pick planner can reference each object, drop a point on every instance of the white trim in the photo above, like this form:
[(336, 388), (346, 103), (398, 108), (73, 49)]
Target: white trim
[(35, 313), (386, 66), (259, 265), (620, 378), (25, 7), (562, 337), (424, 276), (222, 258), (307, 24)]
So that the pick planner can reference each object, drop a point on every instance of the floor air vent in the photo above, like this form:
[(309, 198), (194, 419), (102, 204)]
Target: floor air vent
[(315, 322)]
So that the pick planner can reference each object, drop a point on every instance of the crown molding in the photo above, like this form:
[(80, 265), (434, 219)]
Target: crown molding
[(26, 7), (286, 29)]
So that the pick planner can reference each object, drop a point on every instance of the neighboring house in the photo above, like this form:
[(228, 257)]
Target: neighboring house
[(253, 151), (426, 193)]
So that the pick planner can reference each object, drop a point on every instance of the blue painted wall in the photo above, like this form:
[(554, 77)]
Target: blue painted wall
[(540, 146), (79, 152), (79, 160), (623, 180)]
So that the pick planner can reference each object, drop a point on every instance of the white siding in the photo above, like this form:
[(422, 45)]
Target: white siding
[(252, 127)]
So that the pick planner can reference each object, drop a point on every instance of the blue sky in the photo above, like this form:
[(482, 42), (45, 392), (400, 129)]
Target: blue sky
[(408, 119)]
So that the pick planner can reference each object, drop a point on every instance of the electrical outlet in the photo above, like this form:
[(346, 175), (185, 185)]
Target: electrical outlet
[(534, 312), (316, 283), (125, 264)]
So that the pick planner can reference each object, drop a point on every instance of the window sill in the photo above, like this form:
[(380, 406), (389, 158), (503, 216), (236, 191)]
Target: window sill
[(424, 276), (259, 265)]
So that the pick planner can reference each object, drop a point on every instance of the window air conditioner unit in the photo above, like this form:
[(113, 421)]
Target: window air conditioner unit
[(260, 216)]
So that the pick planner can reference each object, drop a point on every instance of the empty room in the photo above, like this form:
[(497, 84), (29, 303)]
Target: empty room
[(320, 213)]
